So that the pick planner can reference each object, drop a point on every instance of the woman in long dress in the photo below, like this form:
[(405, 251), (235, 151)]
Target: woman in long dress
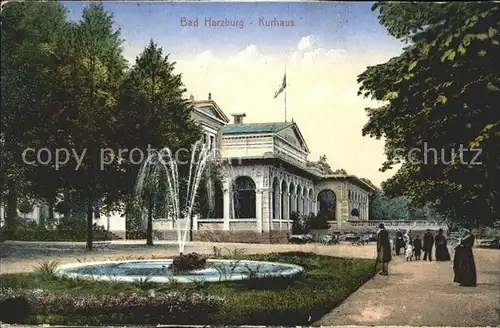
[(399, 243), (463, 263), (442, 253)]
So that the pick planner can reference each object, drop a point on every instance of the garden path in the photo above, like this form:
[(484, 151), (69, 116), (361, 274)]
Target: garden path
[(422, 293)]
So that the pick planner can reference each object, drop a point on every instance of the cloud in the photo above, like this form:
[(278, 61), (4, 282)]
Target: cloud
[(321, 96), (307, 42)]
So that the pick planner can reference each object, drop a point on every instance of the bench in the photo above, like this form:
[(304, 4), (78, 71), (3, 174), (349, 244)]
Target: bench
[(101, 245)]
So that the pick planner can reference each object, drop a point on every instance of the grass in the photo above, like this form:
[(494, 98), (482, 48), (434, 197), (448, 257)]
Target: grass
[(300, 300)]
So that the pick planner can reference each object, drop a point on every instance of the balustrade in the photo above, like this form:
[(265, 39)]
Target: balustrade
[(396, 224)]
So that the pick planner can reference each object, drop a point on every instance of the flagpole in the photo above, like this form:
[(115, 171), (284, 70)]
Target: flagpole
[(286, 85)]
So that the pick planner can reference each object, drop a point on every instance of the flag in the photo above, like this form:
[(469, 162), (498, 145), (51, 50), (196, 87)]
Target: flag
[(282, 87)]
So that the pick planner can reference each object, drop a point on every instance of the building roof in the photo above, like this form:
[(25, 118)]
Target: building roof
[(351, 177), (255, 127), (211, 109)]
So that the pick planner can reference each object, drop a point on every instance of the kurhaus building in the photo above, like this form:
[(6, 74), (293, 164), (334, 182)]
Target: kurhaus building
[(267, 177)]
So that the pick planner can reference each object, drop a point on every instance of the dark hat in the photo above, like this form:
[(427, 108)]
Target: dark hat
[(381, 226)]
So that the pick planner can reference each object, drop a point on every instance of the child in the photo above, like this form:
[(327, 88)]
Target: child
[(417, 244), (409, 252)]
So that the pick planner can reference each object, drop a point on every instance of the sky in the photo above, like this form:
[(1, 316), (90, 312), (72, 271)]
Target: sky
[(328, 46)]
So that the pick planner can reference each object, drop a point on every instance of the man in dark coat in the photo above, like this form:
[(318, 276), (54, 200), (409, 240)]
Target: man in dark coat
[(417, 244), (428, 243), (383, 249)]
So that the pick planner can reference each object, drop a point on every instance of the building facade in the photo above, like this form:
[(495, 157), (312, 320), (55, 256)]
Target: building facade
[(266, 176)]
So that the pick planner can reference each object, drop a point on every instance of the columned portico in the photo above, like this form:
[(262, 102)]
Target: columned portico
[(226, 203), (258, 205)]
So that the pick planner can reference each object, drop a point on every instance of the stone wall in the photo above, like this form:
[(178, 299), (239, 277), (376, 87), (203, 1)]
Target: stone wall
[(242, 236)]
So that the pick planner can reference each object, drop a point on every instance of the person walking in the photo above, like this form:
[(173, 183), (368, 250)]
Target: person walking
[(464, 266), (399, 243), (407, 239), (417, 244), (384, 255), (428, 243), (442, 253)]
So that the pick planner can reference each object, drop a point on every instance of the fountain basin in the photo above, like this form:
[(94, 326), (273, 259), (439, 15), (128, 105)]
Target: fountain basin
[(159, 271)]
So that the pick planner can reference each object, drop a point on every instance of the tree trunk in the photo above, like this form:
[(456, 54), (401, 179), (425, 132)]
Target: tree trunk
[(191, 228), (90, 219), (11, 205), (149, 231), (51, 212), (67, 200)]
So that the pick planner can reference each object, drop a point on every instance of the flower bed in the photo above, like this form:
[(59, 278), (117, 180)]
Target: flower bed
[(133, 308)]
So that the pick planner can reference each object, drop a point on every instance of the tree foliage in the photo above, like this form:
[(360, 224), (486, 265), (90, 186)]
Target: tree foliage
[(65, 85), (323, 162), (154, 114), (442, 93), (30, 35)]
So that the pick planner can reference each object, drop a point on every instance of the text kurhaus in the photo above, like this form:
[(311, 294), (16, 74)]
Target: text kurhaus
[(211, 22)]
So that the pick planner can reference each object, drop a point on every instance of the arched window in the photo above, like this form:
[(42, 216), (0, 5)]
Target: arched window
[(327, 202), (299, 200), (219, 200), (284, 199), (355, 212), (244, 198), (276, 194)]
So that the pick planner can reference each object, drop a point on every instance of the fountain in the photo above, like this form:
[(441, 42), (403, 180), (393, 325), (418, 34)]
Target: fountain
[(159, 167), (159, 170), (161, 271)]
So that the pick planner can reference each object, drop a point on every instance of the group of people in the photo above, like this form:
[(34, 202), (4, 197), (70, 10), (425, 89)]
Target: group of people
[(463, 263), (413, 247)]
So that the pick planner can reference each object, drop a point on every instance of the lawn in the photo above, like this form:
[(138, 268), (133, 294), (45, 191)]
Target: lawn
[(299, 300)]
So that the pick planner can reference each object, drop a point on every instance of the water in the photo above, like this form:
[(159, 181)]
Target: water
[(159, 172), (159, 270)]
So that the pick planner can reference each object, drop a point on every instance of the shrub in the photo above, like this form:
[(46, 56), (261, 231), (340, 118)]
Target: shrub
[(316, 221), (116, 309), (47, 269), (135, 234), (25, 207), (14, 309), (191, 261), (299, 225)]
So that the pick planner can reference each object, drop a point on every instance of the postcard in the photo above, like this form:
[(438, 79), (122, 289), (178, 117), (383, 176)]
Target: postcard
[(249, 163)]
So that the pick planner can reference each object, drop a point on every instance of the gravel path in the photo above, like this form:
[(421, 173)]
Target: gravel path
[(415, 293), (422, 293)]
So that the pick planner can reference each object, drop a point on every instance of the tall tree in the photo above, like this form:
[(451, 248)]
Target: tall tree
[(30, 36), (88, 117), (441, 93), (154, 114)]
